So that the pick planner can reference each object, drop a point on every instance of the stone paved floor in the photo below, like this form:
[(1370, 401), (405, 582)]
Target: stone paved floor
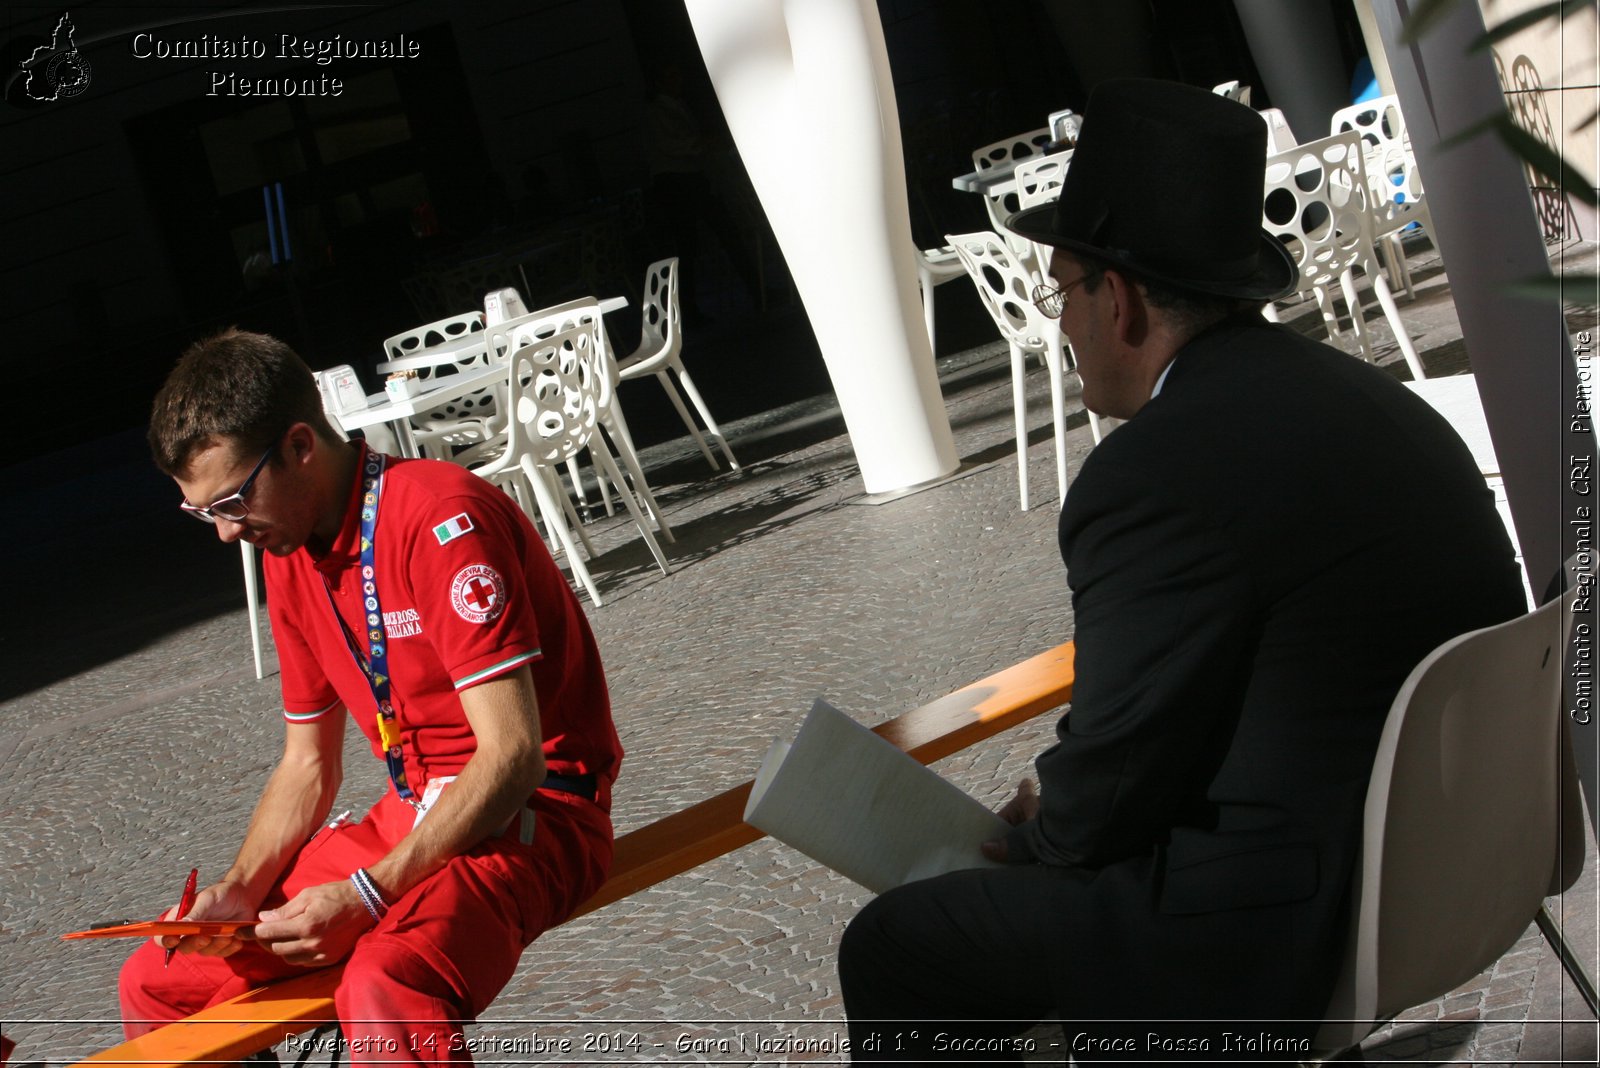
[(788, 583)]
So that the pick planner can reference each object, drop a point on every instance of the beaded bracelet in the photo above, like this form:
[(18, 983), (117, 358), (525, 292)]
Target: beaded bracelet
[(368, 892)]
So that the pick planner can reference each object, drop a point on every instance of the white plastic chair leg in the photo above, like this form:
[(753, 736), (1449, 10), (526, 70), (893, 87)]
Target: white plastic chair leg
[(605, 489), (552, 482), (1393, 254), (1019, 404), (552, 512), (688, 421), (1401, 338), (616, 426), (1055, 364), (604, 458), (1095, 427), (1329, 309), (641, 488), (705, 414), (577, 482), (1358, 321), (252, 600)]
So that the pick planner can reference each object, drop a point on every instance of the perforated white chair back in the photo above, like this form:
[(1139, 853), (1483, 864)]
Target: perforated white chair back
[(1039, 179), (1039, 182), (1005, 286), (1315, 202), (1022, 146), (554, 392), (660, 330), (430, 334), (1391, 166)]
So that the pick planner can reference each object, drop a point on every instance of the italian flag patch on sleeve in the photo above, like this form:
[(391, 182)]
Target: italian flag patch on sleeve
[(453, 528)]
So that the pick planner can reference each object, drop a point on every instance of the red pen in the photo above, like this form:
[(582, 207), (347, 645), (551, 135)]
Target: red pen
[(185, 903)]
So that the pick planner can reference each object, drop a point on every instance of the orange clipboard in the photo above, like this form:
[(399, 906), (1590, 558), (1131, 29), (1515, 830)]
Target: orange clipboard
[(156, 928)]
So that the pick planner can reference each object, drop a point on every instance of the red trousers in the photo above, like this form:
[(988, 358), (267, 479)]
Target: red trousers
[(441, 953)]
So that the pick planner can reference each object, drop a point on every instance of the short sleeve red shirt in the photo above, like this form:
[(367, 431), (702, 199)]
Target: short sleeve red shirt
[(468, 592)]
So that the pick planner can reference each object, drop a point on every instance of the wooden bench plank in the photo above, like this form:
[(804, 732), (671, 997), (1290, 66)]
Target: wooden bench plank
[(644, 857), (255, 1020)]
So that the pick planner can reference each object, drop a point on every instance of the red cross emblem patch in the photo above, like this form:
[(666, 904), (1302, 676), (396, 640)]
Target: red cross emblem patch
[(477, 593)]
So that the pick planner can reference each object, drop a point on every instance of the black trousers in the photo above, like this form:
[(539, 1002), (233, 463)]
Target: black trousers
[(958, 969)]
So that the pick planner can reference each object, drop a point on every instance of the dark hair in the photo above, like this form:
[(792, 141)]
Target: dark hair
[(1188, 311), (239, 385)]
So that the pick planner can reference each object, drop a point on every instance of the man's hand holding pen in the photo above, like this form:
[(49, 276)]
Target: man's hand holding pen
[(219, 901)]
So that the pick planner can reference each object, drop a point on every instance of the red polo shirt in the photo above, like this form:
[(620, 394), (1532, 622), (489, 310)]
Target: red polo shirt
[(468, 592)]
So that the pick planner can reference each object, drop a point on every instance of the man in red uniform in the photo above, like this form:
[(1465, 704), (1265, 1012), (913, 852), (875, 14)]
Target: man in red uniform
[(422, 600)]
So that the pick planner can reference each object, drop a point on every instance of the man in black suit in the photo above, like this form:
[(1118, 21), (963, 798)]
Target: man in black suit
[(1258, 558)]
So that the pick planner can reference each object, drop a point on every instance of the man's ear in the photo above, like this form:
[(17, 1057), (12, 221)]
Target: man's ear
[(300, 443), (1131, 320)]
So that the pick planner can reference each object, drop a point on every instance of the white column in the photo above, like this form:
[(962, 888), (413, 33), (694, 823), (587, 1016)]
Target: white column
[(1296, 49), (806, 90), (1374, 41)]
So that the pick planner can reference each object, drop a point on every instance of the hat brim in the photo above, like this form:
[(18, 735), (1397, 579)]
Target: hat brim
[(1275, 277)]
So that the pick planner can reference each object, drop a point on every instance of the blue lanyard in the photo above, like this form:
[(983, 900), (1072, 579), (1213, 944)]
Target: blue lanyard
[(375, 665)]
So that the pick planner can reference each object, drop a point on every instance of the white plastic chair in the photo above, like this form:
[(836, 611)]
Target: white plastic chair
[(465, 421), (1233, 90), (412, 341), (1315, 202), (553, 390), (1472, 819), (1397, 199), (585, 312), (1280, 138), (1039, 181), (935, 266), (1001, 153), (661, 350), (1005, 285), (1065, 126)]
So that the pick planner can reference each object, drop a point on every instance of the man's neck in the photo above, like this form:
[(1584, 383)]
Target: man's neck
[(335, 488)]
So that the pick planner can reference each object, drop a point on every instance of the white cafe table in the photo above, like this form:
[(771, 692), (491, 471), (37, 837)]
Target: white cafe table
[(994, 181), (383, 409), (467, 346)]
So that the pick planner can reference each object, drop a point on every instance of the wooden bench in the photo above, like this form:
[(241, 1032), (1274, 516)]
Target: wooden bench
[(672, 845)]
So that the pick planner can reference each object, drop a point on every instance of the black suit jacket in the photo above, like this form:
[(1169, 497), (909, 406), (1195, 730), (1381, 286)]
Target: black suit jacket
[(1257, 560)]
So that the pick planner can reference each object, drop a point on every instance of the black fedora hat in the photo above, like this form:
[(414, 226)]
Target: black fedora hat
[(1167, 182)]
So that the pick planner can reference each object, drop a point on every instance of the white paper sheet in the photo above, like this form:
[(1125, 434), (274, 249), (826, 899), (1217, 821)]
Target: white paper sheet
[(848, 799)]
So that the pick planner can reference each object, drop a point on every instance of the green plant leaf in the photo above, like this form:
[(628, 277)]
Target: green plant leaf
[(1556, 9), (1492, 122), (1572, 288), (1548, 162)]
